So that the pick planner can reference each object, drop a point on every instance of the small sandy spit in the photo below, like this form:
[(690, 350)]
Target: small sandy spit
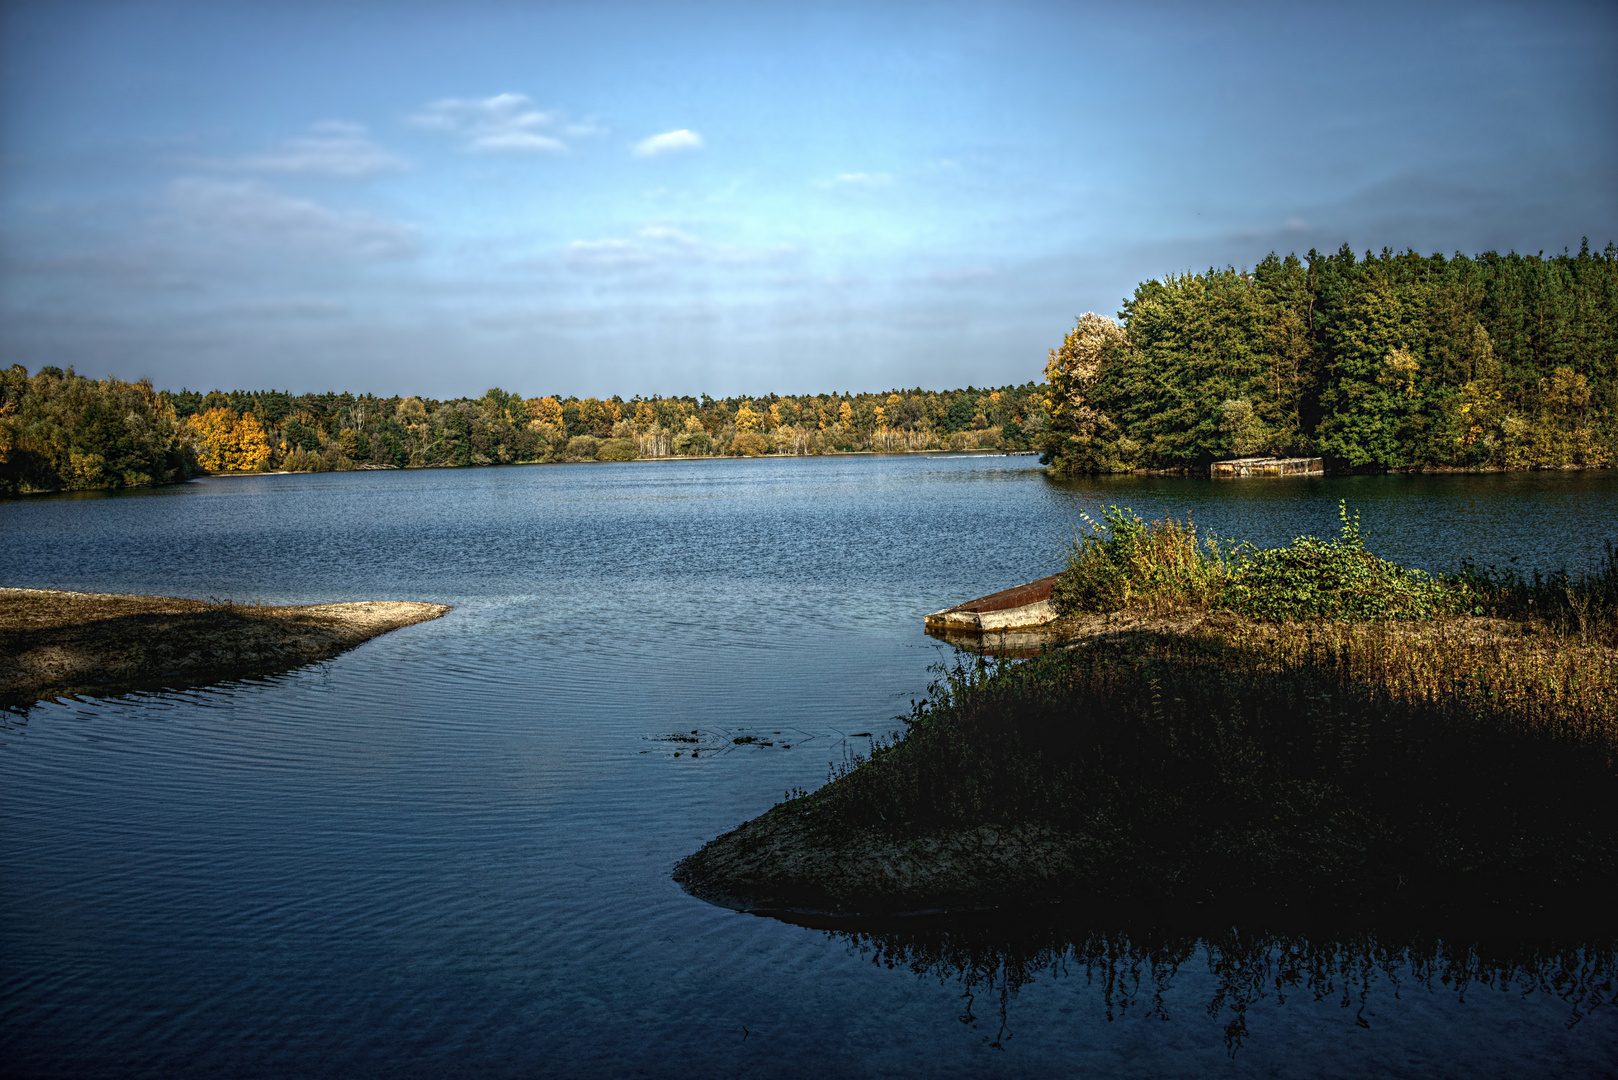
[(54, 644)]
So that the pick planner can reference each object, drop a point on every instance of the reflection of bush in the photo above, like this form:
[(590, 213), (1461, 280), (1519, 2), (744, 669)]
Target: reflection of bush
[(617, 450), (582, 448), (995, 956), (749, 444)]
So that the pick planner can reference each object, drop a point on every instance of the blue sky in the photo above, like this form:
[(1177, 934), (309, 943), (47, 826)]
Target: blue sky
[(598, 199)]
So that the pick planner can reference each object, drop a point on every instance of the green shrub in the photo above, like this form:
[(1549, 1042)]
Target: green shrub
[(582, 448), (1132, 562), (1332, 579), (617, 450), (693, 443)]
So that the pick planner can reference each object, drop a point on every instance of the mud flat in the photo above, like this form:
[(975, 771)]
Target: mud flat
[(54, 644)]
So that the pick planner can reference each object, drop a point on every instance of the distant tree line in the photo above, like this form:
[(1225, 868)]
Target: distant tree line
[(59, 430), (1390, 362)]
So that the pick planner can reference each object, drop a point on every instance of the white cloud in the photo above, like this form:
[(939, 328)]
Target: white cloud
[(249, 214), (967, 275), (607, 255), (661, 246), (859, 179), (332, 148), (666, 143), (503, 123)]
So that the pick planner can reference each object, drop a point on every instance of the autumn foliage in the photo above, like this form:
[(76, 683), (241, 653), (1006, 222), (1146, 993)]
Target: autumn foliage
[(228, 442)]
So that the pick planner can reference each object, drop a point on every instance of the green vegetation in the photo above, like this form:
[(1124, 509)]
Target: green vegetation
[(1129, 563), (55, 430), (1308, 725), (1397, 361), (1161, 567), (59, 431)]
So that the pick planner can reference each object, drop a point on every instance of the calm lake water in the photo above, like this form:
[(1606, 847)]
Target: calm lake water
[(448, 851)]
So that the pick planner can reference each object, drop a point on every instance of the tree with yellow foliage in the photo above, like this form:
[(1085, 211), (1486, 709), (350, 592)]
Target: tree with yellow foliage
[(1082, 437), (252, 449), (227, 442), (547, 410)]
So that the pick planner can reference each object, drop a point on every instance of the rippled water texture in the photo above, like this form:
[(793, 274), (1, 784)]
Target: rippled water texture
[(447, 852)]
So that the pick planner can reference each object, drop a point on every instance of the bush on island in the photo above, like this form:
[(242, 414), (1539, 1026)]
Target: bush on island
[(618, 450)]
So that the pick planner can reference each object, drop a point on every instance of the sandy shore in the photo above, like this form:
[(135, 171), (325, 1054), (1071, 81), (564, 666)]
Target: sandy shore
[(60, 643)]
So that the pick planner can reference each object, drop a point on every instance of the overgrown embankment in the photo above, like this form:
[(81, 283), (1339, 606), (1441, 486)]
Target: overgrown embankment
[(55, 644), (1403, 746)]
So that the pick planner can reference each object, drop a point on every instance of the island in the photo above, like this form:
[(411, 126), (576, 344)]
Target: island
[(57, 644), (1308, 729)]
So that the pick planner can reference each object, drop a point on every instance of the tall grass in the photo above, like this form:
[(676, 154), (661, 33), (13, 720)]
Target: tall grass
[(1128, 562), (1585, 604), (1349, 764)]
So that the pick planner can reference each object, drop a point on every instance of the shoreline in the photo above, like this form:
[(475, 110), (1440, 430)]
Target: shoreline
[(1177, 472), (55, 643), (368, 467)]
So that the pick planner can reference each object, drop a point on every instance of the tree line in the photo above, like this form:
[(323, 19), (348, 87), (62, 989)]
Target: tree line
[(1395, 361), (1391, 361), (59, 430)]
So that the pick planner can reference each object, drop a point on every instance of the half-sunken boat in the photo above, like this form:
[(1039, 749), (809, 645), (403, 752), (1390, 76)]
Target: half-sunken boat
[(1008, 609)]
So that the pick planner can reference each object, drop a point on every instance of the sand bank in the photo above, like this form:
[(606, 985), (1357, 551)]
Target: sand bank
[(60, 643)]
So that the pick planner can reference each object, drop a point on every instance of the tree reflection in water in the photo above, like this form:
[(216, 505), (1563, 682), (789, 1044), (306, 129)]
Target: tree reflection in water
[(994, 957)]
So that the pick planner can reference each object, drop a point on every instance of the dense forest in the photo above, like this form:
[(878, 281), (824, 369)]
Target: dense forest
[(59, 430), (1397, 361)]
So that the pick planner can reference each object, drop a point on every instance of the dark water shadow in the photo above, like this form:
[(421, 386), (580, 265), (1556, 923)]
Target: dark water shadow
[(1134, 966)]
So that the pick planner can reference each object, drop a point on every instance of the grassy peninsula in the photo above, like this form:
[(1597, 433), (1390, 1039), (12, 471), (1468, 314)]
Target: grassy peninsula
[(1302, 728), (55, 644)]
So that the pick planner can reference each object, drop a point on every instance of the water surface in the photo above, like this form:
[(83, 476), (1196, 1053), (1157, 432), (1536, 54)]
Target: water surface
[(447, 852)]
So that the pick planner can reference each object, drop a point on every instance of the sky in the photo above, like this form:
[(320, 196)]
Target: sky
[(604, 198)]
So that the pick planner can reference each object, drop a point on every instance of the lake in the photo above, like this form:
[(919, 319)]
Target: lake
[(448, 851)]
